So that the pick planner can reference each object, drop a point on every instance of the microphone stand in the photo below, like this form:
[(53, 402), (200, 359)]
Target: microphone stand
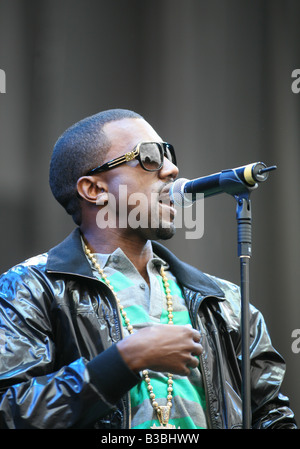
[(233, 185), (230, 182), (244, 222)]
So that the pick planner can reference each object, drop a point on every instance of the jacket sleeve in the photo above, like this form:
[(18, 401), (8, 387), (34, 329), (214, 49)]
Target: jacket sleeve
[(34, 392), (270, 408)]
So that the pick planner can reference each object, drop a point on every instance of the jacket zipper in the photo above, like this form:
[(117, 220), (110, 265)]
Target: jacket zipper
[(212, 423), (217, 342), (197, 324)]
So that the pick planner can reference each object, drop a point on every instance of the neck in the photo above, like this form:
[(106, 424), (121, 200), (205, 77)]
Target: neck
[(138, 250)]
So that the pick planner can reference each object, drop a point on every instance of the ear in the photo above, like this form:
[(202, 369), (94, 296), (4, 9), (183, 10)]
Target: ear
[(91, 189)]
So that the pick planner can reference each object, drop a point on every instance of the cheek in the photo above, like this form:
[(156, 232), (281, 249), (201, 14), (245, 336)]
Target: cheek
[(132, 184), (137, 200), (140, 199)]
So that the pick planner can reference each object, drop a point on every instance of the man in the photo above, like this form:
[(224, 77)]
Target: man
[(111, 330)]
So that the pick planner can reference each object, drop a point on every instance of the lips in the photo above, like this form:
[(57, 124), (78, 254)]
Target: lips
[(164, 194), (166, 202)]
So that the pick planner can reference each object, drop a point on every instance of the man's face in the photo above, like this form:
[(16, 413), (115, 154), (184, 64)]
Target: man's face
[(146, 191)]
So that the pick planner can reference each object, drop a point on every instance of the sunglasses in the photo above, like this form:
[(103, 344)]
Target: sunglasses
[(149, 154)]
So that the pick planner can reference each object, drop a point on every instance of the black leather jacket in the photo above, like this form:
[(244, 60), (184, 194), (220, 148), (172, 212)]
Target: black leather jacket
[(60, 368)]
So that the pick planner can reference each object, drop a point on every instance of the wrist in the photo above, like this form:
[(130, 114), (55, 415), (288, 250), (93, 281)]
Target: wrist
[(133, 356)]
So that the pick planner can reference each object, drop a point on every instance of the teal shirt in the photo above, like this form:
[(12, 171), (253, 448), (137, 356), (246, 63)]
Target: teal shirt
[(147, 307)]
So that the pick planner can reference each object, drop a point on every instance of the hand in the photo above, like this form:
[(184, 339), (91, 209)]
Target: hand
[(162, 348)]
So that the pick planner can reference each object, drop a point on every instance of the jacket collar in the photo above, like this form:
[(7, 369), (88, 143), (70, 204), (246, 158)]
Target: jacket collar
[(69, 257), (188, 275)]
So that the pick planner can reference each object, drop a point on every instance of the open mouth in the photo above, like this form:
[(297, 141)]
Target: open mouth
[(168, 211), (167, 204)]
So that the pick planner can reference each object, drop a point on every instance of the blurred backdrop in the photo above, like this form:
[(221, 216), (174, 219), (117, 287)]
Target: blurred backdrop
[(213, 78)]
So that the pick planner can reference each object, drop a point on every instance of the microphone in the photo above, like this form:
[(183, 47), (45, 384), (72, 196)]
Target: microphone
[(233, 181)]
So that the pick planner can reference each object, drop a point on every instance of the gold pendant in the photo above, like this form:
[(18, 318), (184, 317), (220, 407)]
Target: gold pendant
[(167, 426), (163, 413)]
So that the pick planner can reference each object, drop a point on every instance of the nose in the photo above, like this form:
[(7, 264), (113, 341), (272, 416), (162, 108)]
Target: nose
[(168, 170)]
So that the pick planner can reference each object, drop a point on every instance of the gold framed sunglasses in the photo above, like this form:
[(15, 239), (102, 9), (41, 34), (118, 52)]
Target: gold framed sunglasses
[(149, 154)]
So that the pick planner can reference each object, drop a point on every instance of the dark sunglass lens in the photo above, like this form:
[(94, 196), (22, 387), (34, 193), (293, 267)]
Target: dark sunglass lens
[(150, 156), (169, 153)]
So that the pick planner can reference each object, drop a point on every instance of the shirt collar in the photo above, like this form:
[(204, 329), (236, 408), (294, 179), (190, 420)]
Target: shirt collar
[(119, 259), (68, 257)]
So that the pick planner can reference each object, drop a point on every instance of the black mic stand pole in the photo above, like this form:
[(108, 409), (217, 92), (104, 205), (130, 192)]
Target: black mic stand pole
[(241, 193), (244, 223), (231, 183)]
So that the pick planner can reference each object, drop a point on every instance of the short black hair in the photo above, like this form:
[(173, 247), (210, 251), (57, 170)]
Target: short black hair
[(79, 149)]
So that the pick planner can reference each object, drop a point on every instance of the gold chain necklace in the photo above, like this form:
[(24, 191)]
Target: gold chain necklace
[(163, 411)]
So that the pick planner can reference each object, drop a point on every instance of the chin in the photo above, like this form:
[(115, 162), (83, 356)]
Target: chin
[(165, 233)]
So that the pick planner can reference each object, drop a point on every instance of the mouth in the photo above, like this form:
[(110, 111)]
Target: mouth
[(168, 212), (166, 203)]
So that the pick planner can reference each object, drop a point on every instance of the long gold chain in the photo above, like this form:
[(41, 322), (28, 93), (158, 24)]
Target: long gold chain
[(163, 412)]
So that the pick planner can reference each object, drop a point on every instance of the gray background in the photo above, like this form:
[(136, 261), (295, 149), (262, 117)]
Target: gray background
[(212, 77)]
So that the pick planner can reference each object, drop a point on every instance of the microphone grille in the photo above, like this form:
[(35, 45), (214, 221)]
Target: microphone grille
[(177, 194)]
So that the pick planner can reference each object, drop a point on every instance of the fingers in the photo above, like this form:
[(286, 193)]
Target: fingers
[(191, 363), (191, 338), (196, 351), (192, 351), (196, 336), (163, 348)]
